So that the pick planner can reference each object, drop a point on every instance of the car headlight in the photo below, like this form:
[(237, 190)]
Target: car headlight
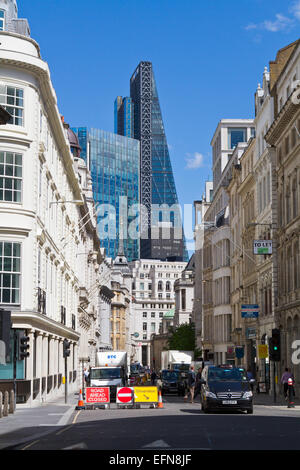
[(210, 395), (248, 395)]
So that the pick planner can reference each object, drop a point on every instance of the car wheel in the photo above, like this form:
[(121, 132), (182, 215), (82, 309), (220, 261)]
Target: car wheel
[(250, 412)]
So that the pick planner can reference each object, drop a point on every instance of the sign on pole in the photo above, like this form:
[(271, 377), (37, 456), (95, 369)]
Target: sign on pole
[(250, 311), (97, 395), (145, 394), (125, 395), (262, 247), (239, 352), (263, 351)]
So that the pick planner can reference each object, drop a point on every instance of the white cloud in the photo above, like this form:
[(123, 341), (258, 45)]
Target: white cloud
[(194, 161), (295, 9), (281, 22)]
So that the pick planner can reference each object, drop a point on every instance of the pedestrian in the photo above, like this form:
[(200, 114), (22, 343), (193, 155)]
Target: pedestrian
[(159, 381), (198, 382), (284, 380), (250, 377), (191, 385), (86, 375), (153, 377)]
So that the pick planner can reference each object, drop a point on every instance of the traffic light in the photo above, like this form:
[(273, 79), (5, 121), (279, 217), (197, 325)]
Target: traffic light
[(66, 348), (5, 327), (274, 345), (23, 346)]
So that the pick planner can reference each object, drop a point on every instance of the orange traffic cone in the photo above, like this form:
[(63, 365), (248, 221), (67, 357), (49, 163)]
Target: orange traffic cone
[(80, 405), (160, 402)]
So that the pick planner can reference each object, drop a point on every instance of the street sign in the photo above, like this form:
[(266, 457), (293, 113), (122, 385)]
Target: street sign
[(262, 247), (250, 311), (145, 395), (263, 352), (239, 352), (125, 395), (95, 395)]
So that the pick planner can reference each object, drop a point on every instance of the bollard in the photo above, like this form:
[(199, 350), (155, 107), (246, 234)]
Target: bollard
[(290, 393), (12, 402), (1, 405), (5, 406)]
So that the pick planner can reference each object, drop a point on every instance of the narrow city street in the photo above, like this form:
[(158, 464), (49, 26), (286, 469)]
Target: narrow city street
[(177, 426)]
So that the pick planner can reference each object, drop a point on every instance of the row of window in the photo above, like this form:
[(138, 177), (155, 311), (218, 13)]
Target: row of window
[(159, 306), (153, 314), (152, 329), (160, 295)]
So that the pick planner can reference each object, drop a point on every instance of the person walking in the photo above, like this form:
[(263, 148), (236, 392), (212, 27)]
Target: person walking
[(191, 385), (86, 376), (153, 377), (250, 377), (198, 383), (284, 380)]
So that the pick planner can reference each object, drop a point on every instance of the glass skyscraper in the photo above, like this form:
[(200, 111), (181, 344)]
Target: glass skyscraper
[(124, 116), (157, 186), (114, 163)]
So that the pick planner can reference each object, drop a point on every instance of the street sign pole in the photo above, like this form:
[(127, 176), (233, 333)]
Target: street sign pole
[(66, 380), (15, 366), (274, 380)]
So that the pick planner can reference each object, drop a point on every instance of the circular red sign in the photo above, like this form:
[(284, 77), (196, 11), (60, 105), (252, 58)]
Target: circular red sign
[(125, 395)]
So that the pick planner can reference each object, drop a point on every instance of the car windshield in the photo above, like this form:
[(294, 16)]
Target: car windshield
[(182, 367), (223, 374), (170, 375), (106, 374)]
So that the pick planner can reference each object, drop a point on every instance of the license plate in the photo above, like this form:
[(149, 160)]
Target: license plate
[(229, 402)]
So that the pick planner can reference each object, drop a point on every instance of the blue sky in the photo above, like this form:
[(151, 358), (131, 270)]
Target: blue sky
[(208, 57)]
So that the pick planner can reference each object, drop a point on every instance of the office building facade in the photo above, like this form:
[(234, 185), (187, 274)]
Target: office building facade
[(113, 161), (161, 231)]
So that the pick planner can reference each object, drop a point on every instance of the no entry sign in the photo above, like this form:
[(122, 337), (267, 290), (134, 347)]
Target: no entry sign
[(97, 395), (125, 395)]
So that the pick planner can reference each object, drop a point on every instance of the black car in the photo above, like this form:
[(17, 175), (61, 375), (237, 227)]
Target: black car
[(172, 382), (225, 387)]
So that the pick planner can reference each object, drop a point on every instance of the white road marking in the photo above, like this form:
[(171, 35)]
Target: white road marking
[(159, 443)]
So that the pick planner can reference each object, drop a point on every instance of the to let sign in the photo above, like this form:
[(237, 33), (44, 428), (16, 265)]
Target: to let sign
[(262, 247), (97, 395)]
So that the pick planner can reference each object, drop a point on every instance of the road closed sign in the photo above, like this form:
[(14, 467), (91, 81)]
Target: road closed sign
[(145, 395), (94, 395), (125, 395)]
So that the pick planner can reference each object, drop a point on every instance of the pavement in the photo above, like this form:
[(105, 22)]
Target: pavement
[(35, 422), (32, 423)]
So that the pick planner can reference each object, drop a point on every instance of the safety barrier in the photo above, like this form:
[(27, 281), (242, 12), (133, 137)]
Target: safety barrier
[(7, 403), (123, 397)]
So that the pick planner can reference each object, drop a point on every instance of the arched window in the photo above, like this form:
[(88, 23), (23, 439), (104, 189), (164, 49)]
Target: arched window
[(160, 285)]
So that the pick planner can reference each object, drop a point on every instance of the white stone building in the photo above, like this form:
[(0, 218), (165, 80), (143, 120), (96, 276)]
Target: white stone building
[(42, 202), (228, 143), (153, 296), (184, 295)]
